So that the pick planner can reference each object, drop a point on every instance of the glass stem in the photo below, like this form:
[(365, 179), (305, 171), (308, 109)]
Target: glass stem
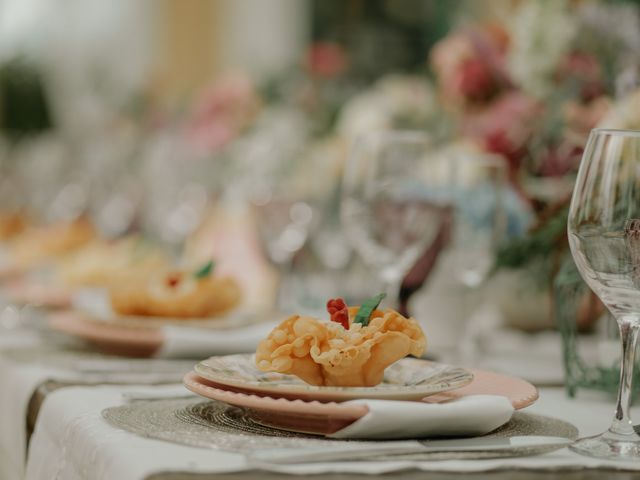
[(629, 335), (392, 281)]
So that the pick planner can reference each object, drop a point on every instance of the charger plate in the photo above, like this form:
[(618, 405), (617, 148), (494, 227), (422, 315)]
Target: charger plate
[(407, 379), (324, 418)]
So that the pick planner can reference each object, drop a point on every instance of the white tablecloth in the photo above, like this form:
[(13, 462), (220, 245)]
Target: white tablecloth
[(72, 441)]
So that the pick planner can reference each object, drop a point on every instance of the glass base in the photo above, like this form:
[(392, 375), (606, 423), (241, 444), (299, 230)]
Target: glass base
[(609, 446)]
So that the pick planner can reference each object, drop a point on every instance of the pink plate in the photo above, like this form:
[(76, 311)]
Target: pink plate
[(326, 418), (129, 336), (107, 337)]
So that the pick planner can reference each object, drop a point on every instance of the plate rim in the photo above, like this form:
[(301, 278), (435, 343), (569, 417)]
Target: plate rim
[(259, 402), (347, 393), (299, 405)]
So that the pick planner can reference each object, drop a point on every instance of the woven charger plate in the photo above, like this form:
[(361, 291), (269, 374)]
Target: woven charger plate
[(215, 425)]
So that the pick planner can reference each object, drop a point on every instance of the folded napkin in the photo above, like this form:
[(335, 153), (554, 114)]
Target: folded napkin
[(390, 419)]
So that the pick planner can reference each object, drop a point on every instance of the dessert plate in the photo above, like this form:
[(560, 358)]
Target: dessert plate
[(320, 418), (141, 338), (407, 379), (108, 337)]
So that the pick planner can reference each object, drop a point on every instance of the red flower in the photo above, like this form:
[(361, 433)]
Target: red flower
[(504, 126), (222, 112), (474, 80), (560, 159), (584, 69), (470, 65), (326, 59)]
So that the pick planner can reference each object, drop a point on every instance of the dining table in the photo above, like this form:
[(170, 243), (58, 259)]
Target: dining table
[(58, 399)]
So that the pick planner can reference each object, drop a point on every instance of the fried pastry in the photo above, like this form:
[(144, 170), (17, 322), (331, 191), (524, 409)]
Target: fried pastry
[(102, 263), (11, 224), (336, 354), (40, 244), (176, 294)]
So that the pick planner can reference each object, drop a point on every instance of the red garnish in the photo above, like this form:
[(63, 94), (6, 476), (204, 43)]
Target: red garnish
[(173, 279), (339, 312)]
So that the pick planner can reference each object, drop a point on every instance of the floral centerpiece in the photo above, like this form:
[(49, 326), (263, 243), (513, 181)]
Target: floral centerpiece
[(529, 87)]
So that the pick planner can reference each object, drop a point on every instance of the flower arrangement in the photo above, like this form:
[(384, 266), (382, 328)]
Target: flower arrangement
[(529, 87)]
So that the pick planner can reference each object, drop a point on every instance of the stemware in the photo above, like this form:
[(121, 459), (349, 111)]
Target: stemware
[(175, 194), (279, 193), (394, 197), (604, 235)]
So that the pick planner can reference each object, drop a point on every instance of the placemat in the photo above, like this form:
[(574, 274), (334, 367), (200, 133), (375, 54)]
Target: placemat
[(215, 425)]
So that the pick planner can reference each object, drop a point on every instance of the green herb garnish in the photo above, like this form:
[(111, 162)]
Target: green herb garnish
[(205, 270), (367, 308)]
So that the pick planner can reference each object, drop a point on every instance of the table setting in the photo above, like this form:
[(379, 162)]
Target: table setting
[(412, 249)]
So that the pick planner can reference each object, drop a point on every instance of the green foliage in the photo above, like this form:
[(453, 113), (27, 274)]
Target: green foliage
[(24, 109), (535, 247)]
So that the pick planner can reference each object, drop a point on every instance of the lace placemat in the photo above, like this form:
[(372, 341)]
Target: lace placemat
[(211, 424)]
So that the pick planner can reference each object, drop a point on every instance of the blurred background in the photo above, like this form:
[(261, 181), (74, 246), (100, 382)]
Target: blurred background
[(221, 128)]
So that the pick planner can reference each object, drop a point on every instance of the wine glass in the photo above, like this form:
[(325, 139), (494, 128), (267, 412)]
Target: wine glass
[(604, 235), (394, 197)]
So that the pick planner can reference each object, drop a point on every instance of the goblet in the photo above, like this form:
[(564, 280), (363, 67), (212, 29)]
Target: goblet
[(604, 235), (394, 195)]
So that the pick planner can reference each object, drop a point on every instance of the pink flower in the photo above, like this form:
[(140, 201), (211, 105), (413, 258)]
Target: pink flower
[(560, 159), (504, 126), (222, 112), (474, 80), (583, 69), (469, 65), (326, 59)]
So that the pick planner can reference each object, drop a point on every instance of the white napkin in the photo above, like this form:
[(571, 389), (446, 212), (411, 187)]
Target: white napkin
[(192, 341), (391, 419)]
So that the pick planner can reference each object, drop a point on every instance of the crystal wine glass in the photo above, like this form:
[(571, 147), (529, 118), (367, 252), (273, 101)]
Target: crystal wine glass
[(394, 196), (604, 235)]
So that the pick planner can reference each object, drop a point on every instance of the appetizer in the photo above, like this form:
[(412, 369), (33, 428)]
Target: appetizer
[(102, 263), (177, 294), (351, 350), (11, 224), (41, 244)]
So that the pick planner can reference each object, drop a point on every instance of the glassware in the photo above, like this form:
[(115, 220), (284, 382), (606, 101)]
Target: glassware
[(604, 235), (394, 195), (456, 266), (279, 193), (590, 337), (176, 196)]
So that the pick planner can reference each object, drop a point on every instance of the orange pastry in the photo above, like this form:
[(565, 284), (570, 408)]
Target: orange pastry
[(352, 350), (40, 244), (177, 294), (11, 224), (102, 263)]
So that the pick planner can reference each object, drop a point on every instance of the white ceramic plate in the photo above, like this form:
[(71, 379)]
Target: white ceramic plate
[(407, 379)]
